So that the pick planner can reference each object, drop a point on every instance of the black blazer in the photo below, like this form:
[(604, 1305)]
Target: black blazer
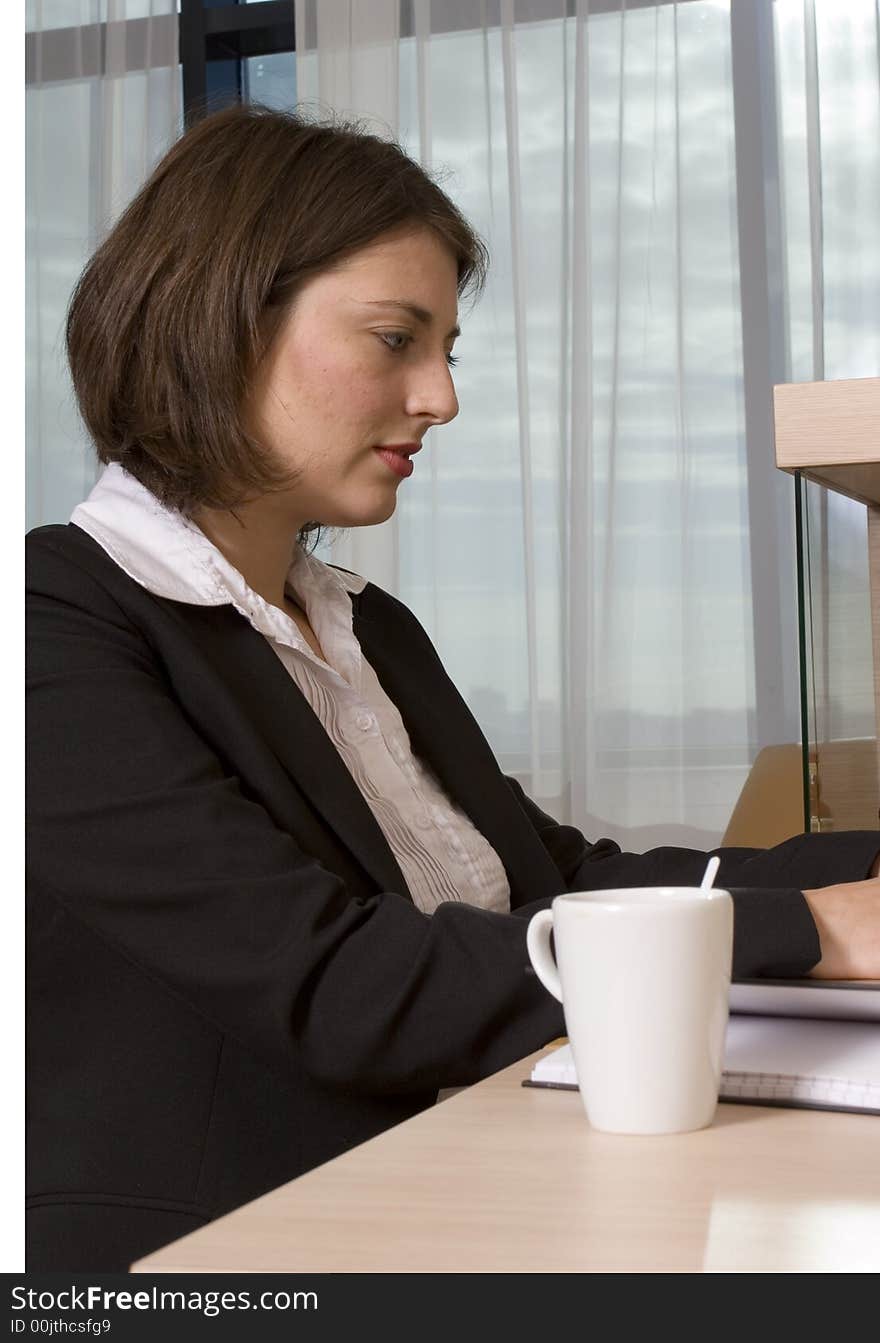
[(228, 981)]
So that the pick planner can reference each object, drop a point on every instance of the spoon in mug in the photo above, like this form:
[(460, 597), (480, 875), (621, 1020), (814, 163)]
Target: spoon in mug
[(709, 875)]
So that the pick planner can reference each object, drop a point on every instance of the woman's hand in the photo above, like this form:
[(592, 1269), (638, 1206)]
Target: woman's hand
[(847, 919)]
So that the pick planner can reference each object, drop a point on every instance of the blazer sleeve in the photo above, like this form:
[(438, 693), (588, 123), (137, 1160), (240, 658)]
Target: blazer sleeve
[(774, 932), (141, 831)]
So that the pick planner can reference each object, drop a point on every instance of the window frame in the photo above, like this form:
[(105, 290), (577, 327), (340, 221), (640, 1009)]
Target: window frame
[(216, 37)]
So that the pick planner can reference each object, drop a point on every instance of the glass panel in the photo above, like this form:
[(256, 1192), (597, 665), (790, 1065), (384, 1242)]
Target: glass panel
[(270, 80), (841, 760)]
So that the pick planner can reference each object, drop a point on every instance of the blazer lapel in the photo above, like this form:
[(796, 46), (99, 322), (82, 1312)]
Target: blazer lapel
[(441, 728), (444, 733), (289, 726)]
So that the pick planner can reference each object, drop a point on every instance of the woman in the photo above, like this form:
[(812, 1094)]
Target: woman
[(278, 885)]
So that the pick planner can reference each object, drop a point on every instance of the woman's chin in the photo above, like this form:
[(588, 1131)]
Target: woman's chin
[(365, 515)]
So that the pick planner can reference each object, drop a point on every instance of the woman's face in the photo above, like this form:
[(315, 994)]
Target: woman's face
[(358, 374)]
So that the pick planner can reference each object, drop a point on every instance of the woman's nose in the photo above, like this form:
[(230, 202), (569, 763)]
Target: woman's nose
[(432, 393)]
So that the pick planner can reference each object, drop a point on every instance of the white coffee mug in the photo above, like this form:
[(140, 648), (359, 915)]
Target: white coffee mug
[(644, 979)]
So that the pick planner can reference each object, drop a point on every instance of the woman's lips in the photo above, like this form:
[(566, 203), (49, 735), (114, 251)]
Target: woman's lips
[(397, 458)]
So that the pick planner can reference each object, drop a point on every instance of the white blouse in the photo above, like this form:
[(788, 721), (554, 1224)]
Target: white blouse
[(439, 851)]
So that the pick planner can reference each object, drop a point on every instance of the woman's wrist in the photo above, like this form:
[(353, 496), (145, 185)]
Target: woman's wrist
[(847, 919)]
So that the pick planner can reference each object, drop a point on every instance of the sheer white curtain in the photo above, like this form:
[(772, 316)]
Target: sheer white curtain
[(577, 541), (828, 59), (103, 103)]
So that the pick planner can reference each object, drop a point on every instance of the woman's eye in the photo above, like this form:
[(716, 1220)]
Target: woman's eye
[(395, 340)]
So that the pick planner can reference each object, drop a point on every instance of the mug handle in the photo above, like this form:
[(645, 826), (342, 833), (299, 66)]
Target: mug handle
[(538, 946)]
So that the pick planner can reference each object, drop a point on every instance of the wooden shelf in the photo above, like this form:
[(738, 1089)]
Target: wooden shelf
[(831, 432)]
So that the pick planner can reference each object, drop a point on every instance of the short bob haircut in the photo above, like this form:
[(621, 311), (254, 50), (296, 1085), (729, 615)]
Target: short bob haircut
[(173, 314)]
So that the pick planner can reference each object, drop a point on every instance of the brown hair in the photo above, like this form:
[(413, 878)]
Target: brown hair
[(175, 310)]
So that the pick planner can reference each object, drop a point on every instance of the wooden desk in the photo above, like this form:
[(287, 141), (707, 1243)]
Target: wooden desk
[(504, 1178)]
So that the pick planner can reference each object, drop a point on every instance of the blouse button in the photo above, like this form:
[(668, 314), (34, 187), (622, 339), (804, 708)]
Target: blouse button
[(364, 721)]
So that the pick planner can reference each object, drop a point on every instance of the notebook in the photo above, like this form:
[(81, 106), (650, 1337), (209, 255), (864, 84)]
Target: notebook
[(843, 999), (813, 1058)]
